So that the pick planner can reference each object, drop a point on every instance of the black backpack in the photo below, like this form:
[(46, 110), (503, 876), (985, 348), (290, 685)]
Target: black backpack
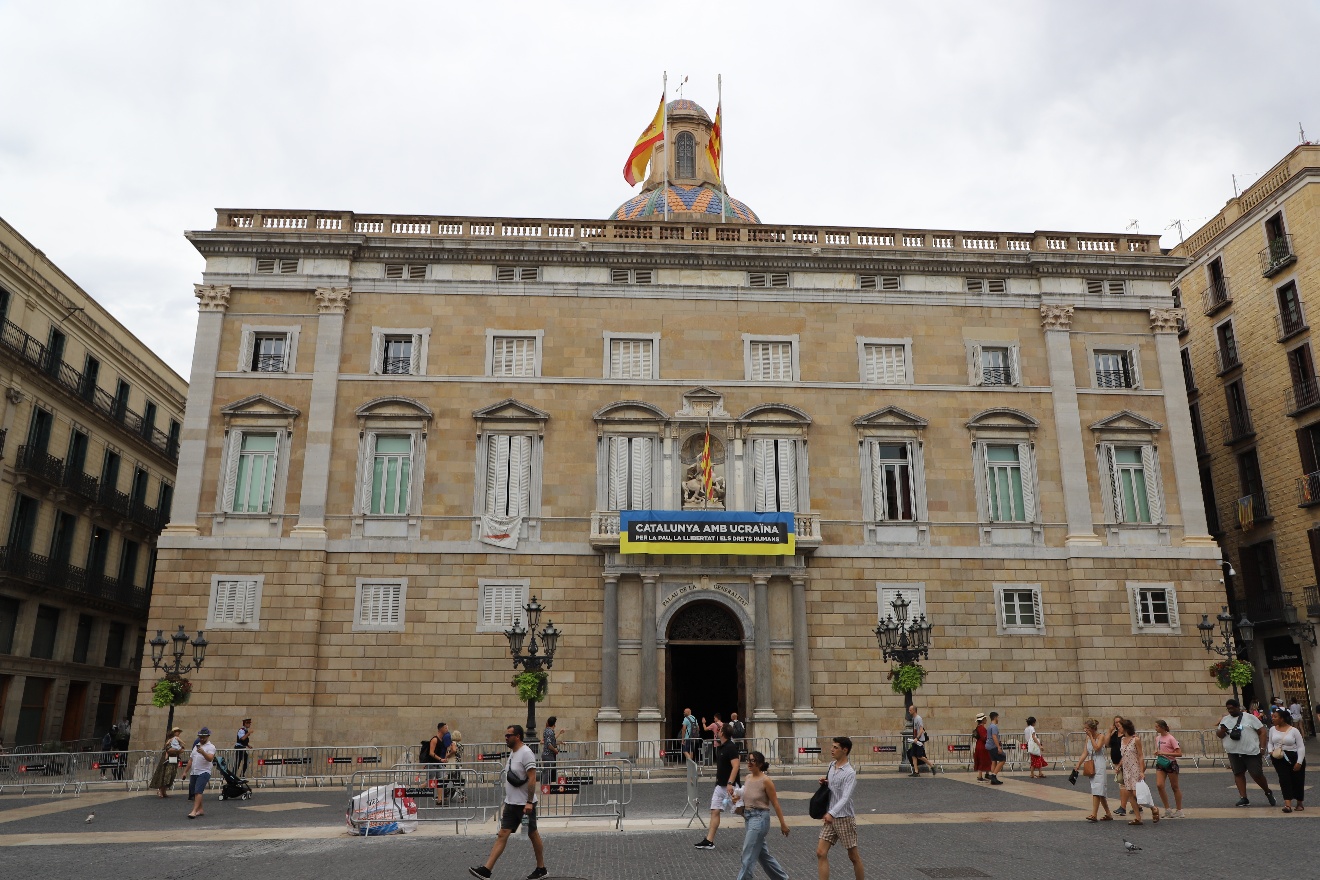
[(424, 756), (736, 730)]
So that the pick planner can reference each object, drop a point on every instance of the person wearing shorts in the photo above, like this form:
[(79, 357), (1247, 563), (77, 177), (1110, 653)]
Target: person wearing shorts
[(1243, 737), (728, 786), (200, 762), (840, 823), (995, 746), (519, 803)]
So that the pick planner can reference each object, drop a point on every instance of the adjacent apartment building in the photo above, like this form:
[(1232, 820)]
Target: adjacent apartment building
[(402, 428), (89, 434), (1252, 278)]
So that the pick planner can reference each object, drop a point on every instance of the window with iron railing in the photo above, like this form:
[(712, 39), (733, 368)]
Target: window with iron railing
[(1290, 319), (1115, 369), (1277, 255), (1228, 352), (269, 352)]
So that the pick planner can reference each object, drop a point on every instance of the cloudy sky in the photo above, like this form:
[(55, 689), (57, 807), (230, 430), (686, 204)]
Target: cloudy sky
[(123, 124)]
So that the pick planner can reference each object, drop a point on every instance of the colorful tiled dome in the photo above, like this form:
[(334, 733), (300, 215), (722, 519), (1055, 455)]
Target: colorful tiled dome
[(700, 199), (682, 106)]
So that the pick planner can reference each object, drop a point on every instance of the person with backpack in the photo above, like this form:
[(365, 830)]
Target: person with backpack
[(436, 749), (737, 730), (691, 735)]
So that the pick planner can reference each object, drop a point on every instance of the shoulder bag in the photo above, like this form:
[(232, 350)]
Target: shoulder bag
[(819, 804)]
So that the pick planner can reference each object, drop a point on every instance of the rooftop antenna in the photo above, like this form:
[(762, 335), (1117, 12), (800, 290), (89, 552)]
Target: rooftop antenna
[(1235, 189), (1134, 226), (1176, 224), (1301, 134), (680, 88), (70, 312)]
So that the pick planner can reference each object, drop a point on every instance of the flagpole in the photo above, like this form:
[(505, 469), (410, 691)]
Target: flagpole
[(664, 128), (719, 111)]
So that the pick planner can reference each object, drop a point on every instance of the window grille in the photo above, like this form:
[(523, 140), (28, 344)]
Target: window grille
[(276, 267), (518, 273)]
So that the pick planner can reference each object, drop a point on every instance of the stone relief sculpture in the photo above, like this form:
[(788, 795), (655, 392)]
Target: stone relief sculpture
[(694, 489)]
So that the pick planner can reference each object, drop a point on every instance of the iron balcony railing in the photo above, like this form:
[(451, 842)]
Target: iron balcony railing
[(1289, 323), (1237, 426), (1308, 489), (1113, 378), (40, 464), (1267, 607), (996, 376), (60, 575), (84, 485), (1228, 355), (46, 467), (1249, 511), (268, 363), (1303, 395), (1277, 255), (1312, 596), (1216, 296), (397, 366), (34, 353)]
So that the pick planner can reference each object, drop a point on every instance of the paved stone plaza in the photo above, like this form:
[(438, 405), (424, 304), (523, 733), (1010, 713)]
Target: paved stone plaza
[(949, 826)]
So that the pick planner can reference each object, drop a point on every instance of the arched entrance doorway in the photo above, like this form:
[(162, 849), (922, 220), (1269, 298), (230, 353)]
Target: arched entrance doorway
[(704, 667)]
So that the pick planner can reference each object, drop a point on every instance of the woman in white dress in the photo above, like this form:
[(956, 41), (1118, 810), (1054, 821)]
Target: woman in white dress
[(1095, 753)]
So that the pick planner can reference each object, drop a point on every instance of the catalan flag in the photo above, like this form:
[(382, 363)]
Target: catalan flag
[(715, 146), (707, 472), (634, 170)]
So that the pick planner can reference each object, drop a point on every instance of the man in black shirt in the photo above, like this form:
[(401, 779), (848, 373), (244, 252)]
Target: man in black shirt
[(727, 785)]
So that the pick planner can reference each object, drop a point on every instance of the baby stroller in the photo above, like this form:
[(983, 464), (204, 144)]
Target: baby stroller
[(234, 787)]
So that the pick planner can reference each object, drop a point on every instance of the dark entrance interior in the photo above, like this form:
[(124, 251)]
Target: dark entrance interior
[(704, 666)]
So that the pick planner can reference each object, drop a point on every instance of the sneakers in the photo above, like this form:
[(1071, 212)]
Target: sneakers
[(994, 780), (1269, 796), (1120, 812), (914, 773), (480, 871), (537, 874), (1242, 802), (704, 844)]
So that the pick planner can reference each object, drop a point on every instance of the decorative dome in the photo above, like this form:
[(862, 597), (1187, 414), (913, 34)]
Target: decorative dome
[(683, 200), (684, 107)]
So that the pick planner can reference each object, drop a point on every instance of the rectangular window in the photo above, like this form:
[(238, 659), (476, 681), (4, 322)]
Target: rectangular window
[(83, 639), (500, 604), (1134, 483), (76, 463), (114, 646), (994, 365), (1003, 468), (884, 363), (405, 271), (391, 474), (767, 279), (1238, 424), (629, 473), (1228, 353), (379, 604), (1198, 430), (631, 359), (1115, 369), (137, 492), (38, 439), (1189, 378), (23, 526), (987, 285), (1291, 319), (55, 351), (128, 563), (775, 478), (277, 267), (1154, 607), (878, 282), (43, 635), (513, 356), (397, 358), (269, 353), (914, 594), (254, 473), (98, 550), (1102, 286), (891, 481), (121, 398), (110, 471), (508, 475), (1020, 609), (8, 623), (1252, 504), (235, 602), (771, 361), (518, 273), (1305, 387), (632, 276)]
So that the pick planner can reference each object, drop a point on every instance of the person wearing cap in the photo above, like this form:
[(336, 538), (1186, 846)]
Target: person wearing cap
[(200, 763), (242, 742), (168, 765), (980, 754)]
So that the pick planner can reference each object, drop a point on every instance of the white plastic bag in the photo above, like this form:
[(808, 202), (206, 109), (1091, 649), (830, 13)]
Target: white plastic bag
[(375, 811), (1144, 797)]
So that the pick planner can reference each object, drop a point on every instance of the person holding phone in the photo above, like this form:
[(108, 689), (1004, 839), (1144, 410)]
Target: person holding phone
[(1243, 737)]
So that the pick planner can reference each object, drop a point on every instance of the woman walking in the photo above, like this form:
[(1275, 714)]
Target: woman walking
[(1167, 753), (168, 765), (1288, 755), (1034, 749), (980, 754), (1094, 756), (1134, 771), (758, 798)]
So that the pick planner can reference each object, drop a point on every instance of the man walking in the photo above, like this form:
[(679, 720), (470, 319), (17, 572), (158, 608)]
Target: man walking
[(917, 748), (737, 730), (995, 747), (839, 824), (726, 785), (520, 794), (199, 770), (691, 735), (1243, 737)]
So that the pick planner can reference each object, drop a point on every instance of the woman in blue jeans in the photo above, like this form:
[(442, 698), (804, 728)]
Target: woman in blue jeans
[(758, 797)]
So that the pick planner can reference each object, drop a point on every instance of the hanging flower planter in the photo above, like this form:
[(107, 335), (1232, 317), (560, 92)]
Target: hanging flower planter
[(532, 686), (906, 678), (171, 692), (1227, 673)]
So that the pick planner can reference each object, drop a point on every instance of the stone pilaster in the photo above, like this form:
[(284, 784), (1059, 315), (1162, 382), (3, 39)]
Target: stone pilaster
[(804, 717), (1057, 321), (212, 303), (609, 726), (1164, 324), (332, 303), (648, 713), (766, 724)]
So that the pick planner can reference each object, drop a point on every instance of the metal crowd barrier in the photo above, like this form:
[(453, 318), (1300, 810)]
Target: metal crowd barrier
[(55, 771), (586, 789), (451, 792)]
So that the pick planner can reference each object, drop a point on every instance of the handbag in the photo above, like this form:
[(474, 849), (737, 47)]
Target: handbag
[(1088, 767), (1276, 754), (819, 804), (1033, 748), (1163, 762)]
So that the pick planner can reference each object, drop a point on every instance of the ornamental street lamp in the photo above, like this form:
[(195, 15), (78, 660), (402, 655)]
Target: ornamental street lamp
[(1229, 648), (538, 656), (176, 670), (901, 640)]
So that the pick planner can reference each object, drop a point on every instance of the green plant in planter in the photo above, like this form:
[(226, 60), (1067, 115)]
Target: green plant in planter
[(532, 686), (906, 678), (171, 692), (1232, 672)]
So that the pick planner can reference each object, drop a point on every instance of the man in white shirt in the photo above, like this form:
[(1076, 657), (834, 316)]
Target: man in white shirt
[(519, 802), (1243, 737), (840, 823), (200, 763)]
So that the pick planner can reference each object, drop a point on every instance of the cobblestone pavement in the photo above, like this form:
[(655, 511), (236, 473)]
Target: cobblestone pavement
[(949, 826)]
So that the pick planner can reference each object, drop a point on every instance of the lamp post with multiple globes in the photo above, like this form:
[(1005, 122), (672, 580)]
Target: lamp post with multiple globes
[(537, 657)]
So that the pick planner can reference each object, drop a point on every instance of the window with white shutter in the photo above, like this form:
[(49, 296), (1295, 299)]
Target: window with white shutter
[(884, 363), (878, 282), (1154, 607), (775, 475), (1007, 486), (1102, 286), (268, 349), (1116, 368), (1019, 609), (767, 279), (235, 602), (631, 358), (405, 271), (914, 593), (500, 603), (508, 475), (513, 356), (398, 351), (770, 360), (629, 473), (987, 285), (379, 605), (893, 490), (1134, 484)]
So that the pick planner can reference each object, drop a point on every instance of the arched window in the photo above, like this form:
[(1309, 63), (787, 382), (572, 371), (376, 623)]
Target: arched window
[(687, 154)]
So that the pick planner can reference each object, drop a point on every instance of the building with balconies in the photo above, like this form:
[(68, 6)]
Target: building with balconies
[(1248, 357), (89, 439), (400, 428)]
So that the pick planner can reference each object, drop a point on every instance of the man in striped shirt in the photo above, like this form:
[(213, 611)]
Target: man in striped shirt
[(840, 824)]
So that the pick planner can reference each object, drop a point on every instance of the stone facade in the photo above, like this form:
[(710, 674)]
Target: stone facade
[(1248, 288), (89, 436)]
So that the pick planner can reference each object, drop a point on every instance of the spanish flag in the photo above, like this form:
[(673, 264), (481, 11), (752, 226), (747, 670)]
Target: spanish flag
[(707, 472), (715, 146), (634, 170)]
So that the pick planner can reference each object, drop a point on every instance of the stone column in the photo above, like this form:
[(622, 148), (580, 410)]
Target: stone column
[(1182, 449), (804, 718), (1057, 320), (213, 301), (332, 303), (609, 723), (649, 718), (765, 724)]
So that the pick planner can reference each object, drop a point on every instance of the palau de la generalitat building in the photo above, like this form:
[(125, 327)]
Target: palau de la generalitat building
[(400, 428)]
